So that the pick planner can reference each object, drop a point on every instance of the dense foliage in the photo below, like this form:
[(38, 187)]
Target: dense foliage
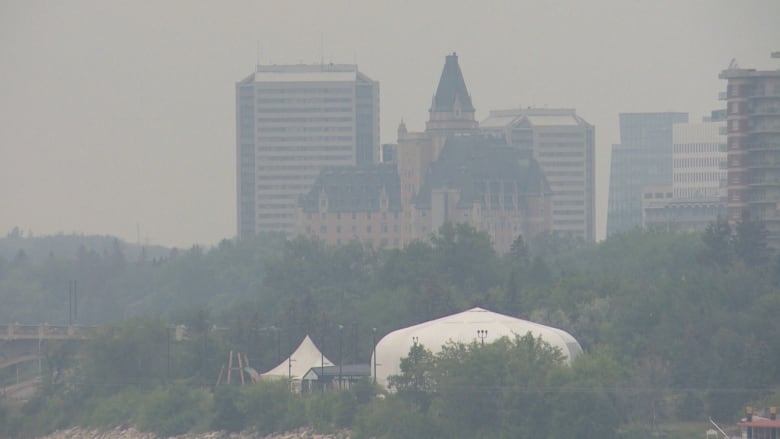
[(676, 327)]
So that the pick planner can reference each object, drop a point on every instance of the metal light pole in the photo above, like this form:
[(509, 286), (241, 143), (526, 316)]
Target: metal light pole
[(482, 334), (168, 353), (416, 376), (341, 347), (373, 330), (73, 301)]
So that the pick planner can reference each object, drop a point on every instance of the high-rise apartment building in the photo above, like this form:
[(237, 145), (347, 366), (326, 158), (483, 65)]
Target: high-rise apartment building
[(292, 122), (753, 133), (642, 159), (699, 160), (697, 195), (563, 145)]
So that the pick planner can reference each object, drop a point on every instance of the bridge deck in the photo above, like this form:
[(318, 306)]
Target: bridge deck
[(45, 332)]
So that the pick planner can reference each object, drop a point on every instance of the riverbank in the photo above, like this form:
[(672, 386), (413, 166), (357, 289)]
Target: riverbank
[(131, 433)]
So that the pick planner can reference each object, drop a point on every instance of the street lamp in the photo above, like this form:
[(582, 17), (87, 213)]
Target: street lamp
[(341, 347), (168, 352), (482, 333), (373, 330)]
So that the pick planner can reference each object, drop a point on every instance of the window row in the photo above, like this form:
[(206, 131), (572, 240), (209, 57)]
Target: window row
[(303, 90), (299, 120), (699, 147), (305, 110)]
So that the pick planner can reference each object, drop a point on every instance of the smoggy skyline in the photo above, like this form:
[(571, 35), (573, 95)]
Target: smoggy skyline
[(119, 117)]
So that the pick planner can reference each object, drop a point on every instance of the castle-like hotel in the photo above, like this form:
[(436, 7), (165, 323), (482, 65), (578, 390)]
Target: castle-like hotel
[(308, 160)]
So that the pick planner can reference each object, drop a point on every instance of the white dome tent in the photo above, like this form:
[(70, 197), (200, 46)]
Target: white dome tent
[(462, 328)]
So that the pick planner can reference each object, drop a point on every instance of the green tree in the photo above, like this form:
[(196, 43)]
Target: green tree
[(750, 241), (718, 242), (415, 382)]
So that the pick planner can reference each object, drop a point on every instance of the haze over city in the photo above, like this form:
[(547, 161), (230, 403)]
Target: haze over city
[(119, 118)]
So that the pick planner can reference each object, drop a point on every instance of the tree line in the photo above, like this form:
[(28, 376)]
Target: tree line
[(675, 327)]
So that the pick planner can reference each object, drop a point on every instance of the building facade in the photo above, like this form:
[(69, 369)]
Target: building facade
[(699, 159), (643, 158), (451, 172), (753, 139), (564, 146), (355, 203), (698, 193), (292, 122)]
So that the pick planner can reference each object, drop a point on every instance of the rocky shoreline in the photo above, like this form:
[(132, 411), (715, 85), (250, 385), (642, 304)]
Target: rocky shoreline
[(132, 433)]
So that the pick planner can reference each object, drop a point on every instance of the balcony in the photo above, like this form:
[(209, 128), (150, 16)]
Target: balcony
[(768, 111), (766, 128)]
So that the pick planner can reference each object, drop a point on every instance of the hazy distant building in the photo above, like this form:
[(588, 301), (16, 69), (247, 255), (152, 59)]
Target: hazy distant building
[(753, 131), (293, 121), (564, 146), (355, 203), (697, 195), (448, 173), (643, 158), (699, 160), (388, 152), (481, 181), (452, 173)]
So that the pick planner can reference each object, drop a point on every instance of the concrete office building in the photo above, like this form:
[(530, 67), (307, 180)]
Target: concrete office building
[(293, 121), (699, 159), (643, 158), (753, 133), (698, 193), (564, 146)]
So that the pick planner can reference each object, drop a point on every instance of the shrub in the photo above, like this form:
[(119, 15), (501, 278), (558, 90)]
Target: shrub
[(269, 407), (174, 409), (391, 418), (227, 415), (118, 409)]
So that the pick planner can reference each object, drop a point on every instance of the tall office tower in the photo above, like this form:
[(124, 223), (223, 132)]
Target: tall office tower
[(753, 133), (293, 121), (643, 158), (697, 195), (563, 145), (699, 160)]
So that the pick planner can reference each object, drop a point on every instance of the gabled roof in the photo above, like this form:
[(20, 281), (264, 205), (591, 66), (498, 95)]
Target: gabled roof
[(452, 88), (306, 356), (347, 370), (355, 189), (472, 164)]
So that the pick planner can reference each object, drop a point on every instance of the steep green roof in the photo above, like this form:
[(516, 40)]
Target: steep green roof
[(476, 165), (355, 189), (451, 87)]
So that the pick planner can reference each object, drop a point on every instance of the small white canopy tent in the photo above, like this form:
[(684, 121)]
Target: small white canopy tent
[(294, 367), (462, 327)]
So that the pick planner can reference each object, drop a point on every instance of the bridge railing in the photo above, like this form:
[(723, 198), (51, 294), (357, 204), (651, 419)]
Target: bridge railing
[(16, 331)]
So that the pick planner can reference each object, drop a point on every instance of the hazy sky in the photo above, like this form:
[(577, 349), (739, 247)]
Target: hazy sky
[(117, 117)]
